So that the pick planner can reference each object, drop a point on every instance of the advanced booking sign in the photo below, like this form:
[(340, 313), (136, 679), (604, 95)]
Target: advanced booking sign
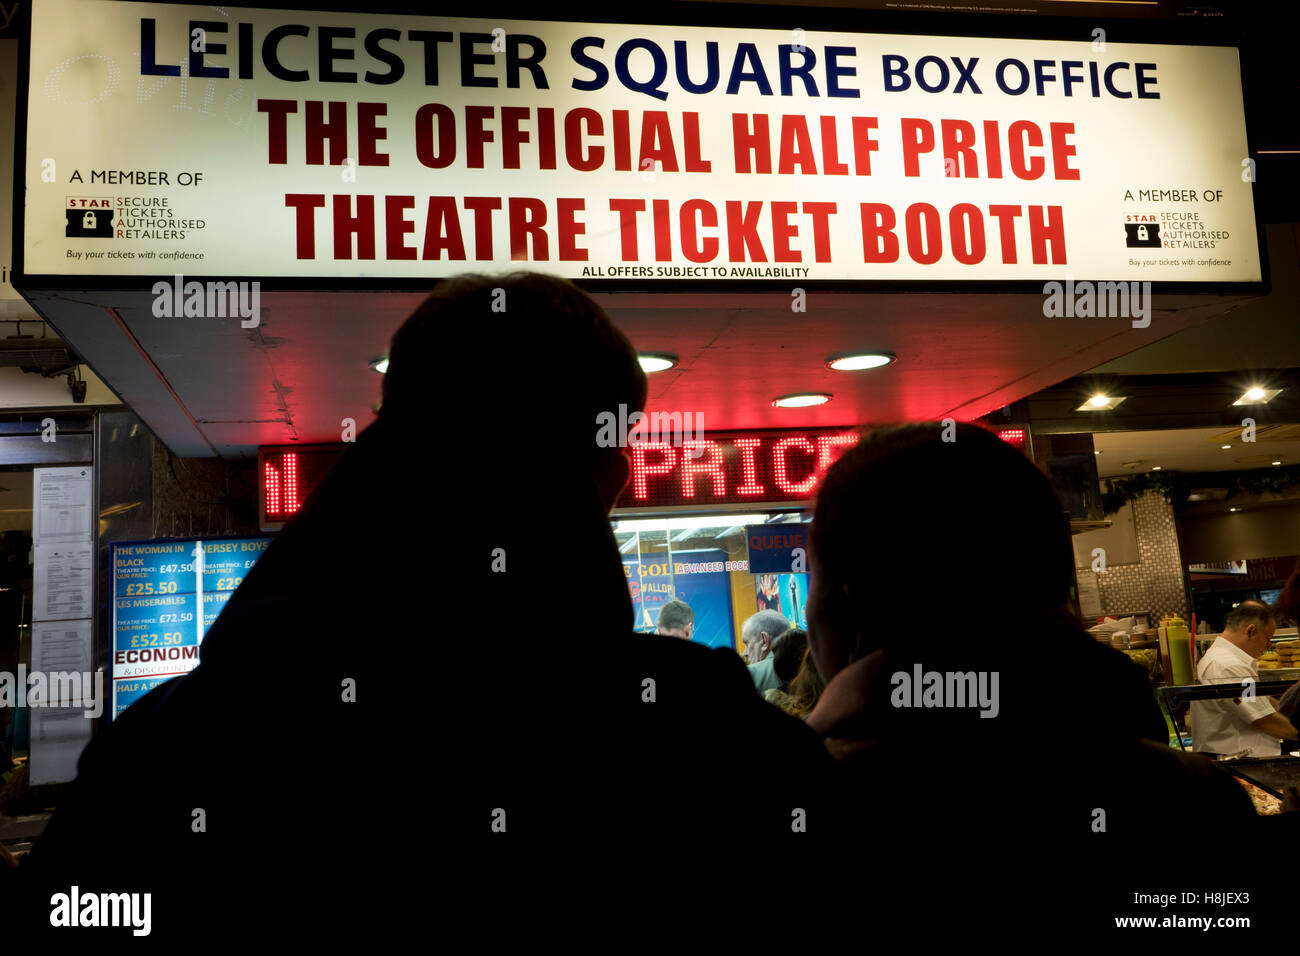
[(166, 594), (239, 142)]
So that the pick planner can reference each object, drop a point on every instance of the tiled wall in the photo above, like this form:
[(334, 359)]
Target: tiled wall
[(1155, 583)]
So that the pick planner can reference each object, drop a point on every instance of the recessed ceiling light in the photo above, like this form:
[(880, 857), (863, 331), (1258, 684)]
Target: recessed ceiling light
[(1258, 395), (1225, 446), (860, 360), (380, 365), (1100, 403), (1234, 509), (1155, 467), (656, 361), (1097, 452), (801, 401), (1277, 463)]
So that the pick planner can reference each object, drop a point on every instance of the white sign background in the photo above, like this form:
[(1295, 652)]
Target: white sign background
[(90, 109)]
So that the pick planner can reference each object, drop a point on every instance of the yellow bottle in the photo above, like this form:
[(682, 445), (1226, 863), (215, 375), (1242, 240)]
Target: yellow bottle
[(1180, 651)]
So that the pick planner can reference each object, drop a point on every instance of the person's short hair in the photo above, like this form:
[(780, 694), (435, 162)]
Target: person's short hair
[(505, 322), (675, 615), (918, 487), (1247, 613), (767, 620), (787, 654)]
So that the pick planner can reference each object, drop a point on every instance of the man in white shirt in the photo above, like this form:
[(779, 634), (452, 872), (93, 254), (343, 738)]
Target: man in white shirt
[(1229, 726)]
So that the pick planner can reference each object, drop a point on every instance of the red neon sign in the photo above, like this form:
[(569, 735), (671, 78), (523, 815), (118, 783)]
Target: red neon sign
[(1013, 436), (733, 468), (287, 475)]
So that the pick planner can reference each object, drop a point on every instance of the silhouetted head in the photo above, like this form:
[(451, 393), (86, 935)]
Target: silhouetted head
[(533, 362), (913, 538)]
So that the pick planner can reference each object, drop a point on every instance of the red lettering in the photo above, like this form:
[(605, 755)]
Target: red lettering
[(781, 466), (570, 229), (396, 226), (1041, 233), (573, 121), (369, 134), (742, 231), (758, 142), (1062, 151), (442, 231), (710, 465), (526, 218), (863, 144), (796, 147), (642, 470), (879, 244), (304, 206), (277, 123), (627, 210), (482, 207), (346, 225), (748, 467), (319, 130), (693, 247), (918, 137), (927, 247), (444, 154), (1020, 136)]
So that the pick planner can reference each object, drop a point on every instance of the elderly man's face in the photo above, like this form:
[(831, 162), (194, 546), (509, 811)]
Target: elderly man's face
[(757, 645), (1258, 637)]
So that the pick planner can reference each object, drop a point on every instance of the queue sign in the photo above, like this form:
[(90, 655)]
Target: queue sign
[(166, 594)]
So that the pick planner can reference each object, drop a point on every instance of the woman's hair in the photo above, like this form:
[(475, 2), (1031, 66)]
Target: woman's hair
[(1287, 608), (909, 527), (806, 687), (787, 653)]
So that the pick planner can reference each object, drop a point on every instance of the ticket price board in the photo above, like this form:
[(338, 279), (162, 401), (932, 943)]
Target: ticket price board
[(166, 594)]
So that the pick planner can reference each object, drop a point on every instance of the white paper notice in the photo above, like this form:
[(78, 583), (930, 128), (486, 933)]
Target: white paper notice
[(61, 646), (61, 579), (59, 735), (61, 503), (1089, 594)]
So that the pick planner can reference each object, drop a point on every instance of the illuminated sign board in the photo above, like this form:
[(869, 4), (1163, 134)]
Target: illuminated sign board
[(286, 475), (166, 594), (295, 143), (733, 468)]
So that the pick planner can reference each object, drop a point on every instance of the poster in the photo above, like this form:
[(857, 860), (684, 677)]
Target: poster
[(382, 145), (166, 594), (701, 580), (697, 577), (787, 593)]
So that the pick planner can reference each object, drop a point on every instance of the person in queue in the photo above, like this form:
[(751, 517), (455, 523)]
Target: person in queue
[(496, 778), (1252, 723), (676, 619), (787, 653), (801, 695), (759, 631), (758, 634), (943, 718)]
